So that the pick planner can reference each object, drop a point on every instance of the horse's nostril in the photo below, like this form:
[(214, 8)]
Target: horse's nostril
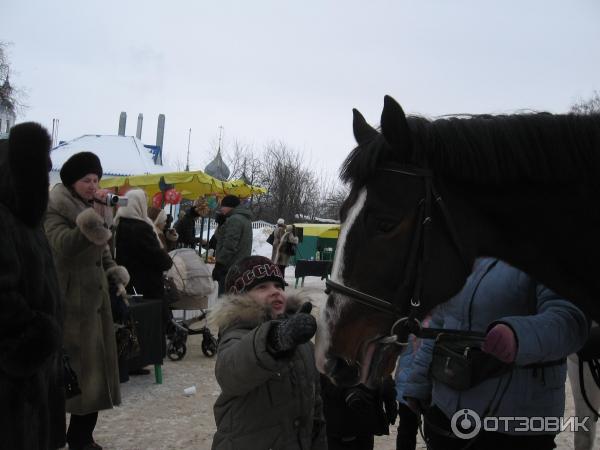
[(343, 372)]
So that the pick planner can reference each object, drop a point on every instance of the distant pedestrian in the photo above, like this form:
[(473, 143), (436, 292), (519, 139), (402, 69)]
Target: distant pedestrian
[(277, 235), (286, 248), (234, 240)]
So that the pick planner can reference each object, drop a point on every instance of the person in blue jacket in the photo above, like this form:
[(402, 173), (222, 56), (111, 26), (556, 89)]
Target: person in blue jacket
[(408, 420), (527, 327)]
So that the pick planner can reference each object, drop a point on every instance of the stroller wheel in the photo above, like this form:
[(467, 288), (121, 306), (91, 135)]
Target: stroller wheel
[(176, 352), (209, 344)]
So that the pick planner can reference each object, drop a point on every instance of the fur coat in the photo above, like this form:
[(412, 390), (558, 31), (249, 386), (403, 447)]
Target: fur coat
[(277, 235), (78, 238), (264, 402), (32, 404), (282, 258)]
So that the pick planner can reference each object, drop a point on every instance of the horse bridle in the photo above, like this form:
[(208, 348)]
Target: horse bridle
[(415, 268)]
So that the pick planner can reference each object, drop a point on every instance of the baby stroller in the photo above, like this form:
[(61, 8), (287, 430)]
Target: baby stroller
[(188, 284)]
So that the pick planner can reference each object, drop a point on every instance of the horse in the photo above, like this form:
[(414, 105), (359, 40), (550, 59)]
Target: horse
[(427, 197)]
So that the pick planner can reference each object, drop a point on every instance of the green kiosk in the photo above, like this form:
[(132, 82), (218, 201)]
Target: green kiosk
[(316, 249)]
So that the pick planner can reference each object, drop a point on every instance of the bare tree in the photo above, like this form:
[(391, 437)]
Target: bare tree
[(590, 106), (175, 161), (294, 190)]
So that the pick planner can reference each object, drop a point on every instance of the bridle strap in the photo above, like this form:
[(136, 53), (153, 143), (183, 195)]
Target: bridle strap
[(450, 226), (362, 298)]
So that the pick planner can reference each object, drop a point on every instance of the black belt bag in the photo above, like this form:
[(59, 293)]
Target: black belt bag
[(459, 362)]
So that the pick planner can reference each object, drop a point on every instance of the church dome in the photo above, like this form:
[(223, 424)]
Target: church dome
[(217, 168)]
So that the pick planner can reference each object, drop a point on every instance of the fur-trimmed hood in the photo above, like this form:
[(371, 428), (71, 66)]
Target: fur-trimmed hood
[(242, 310)]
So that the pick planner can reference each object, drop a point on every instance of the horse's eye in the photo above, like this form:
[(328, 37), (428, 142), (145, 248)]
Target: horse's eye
[(379, 225), (384, 226)]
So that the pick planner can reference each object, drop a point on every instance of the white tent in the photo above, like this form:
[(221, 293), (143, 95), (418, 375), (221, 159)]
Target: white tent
[(119, 155)]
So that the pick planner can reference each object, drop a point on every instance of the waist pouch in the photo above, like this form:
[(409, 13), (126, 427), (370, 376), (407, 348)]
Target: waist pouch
[(459, 362)]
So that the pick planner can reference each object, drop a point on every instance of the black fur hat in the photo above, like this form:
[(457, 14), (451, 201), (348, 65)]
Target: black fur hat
[(24, 165), (231, 201), (249, 272), (78, 166)]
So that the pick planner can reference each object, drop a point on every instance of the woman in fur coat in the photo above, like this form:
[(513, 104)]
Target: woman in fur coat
[(32, 398), (78, 236), (270, 392), (283, 255)]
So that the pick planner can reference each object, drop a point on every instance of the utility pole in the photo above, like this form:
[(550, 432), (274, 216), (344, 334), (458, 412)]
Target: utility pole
[(187, 164)]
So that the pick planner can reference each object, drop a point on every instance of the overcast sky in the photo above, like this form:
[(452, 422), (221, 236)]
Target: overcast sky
[(270, 70)]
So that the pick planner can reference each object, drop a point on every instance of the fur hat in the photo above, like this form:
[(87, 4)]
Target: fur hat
[(78, 166), (24, 165), (280, 222), (231, 201), (249, 272)]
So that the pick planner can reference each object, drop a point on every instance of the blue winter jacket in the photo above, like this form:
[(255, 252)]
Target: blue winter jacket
[(405, 360), (498, 293)]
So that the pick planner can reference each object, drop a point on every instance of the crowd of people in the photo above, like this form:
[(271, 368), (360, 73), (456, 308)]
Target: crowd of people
[(63, 257)]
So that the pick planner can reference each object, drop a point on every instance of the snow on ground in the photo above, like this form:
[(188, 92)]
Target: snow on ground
[(260, 246)]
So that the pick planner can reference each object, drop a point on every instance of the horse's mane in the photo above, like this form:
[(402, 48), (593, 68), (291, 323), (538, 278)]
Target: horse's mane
[(538, 147)]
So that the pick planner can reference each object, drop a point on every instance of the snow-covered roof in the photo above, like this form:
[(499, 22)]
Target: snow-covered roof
[(119, 155)]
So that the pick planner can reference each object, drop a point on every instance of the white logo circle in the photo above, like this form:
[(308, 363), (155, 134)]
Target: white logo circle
[(465, 419)]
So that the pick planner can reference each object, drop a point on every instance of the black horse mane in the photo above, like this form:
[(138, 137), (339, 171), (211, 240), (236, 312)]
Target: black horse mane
[(485, 149)]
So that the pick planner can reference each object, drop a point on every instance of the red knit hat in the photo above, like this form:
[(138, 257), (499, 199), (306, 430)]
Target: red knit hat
[(251, 271)]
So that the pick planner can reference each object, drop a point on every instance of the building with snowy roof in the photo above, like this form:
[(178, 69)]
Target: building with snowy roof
[(119, 155)]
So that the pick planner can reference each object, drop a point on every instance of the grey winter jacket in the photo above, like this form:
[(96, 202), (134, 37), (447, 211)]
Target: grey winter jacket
[(265, 403), (235, 237), (498, 293)]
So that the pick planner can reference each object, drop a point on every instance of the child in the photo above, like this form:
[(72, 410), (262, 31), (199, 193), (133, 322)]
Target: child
[(265, 364)]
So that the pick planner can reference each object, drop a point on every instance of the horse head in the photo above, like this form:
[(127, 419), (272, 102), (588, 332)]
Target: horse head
[(396, 256)]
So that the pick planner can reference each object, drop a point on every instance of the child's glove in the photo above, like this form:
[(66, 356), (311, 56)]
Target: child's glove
[(287, 334)]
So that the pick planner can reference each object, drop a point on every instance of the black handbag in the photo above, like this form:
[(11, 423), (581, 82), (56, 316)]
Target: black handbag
[(459, 362), (71, 382), (290, 248), (128, 344), (271, 238)]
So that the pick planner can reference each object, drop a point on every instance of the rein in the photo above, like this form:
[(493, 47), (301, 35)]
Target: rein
[(416, 268)]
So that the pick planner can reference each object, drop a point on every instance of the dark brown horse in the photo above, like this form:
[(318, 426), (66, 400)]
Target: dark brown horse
[(428, 197)]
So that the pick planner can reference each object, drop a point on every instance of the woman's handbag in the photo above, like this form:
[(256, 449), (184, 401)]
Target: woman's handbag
[(128, 344), (459, 362), (290, 249), (71, 382), (271, 238)]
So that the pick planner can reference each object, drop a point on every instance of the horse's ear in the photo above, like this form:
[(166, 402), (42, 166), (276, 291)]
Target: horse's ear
[(394, 126), (363, 132)]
